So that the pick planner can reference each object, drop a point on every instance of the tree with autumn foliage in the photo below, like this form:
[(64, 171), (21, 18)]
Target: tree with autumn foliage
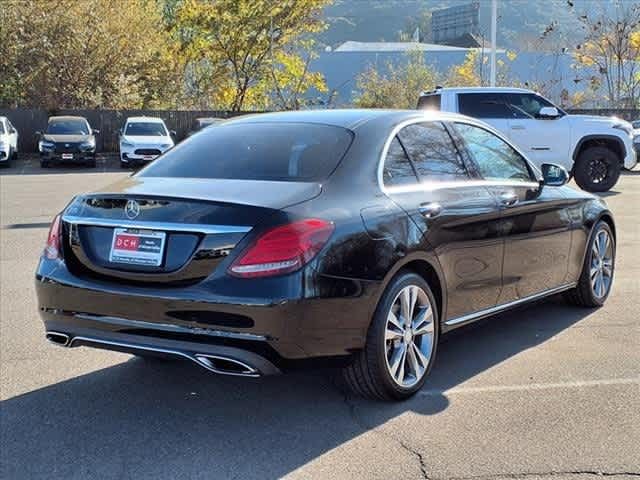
[(87, 54), (398, 85), (247, 53), (610, 53)]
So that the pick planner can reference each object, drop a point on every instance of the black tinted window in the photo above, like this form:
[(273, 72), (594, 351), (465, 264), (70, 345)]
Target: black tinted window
[(256, 151), (429, 102), (397, 168), (432, 151), (486, 105), (494, 158)]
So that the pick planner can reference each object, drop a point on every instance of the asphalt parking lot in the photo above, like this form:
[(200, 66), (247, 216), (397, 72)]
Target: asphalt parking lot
[(547, 391)]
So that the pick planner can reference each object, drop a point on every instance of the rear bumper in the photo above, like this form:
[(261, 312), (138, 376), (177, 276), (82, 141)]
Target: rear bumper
[(270, 334)]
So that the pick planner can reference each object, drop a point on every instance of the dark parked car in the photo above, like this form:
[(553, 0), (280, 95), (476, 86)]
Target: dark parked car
[(67, 139), (350, 237)]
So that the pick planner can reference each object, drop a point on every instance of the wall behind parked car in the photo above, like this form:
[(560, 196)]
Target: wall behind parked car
[(109, 122)]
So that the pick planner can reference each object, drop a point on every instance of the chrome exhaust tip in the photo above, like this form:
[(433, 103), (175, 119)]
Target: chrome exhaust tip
[(226, 365), (57, 338)]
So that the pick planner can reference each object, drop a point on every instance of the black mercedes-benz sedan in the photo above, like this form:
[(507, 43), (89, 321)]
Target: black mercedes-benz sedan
[(351, 238), (67, 139)]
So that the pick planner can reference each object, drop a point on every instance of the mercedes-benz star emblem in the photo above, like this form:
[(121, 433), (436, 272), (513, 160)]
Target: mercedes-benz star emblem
[(132, 209)]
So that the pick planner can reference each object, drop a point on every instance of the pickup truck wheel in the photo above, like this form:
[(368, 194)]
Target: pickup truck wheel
[(401, 342), (597, 169)]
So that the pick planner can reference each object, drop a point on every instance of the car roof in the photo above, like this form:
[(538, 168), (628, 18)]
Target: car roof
[(144, 119), (66, 117), (478, 90), (347, 118)]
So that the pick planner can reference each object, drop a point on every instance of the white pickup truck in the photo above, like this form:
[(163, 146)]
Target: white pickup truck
[(593, 149)]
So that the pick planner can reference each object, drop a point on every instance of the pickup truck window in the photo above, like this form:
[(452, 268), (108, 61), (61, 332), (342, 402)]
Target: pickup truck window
[(495, 159), (487, 105), (528, 103), (429, 102)]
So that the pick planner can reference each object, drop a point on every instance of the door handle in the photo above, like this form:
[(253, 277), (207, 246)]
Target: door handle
[(508, 199), (518, 127), (430, 210)]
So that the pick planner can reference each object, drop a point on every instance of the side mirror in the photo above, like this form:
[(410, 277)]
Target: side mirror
[(173, 133), (95, 132), (554, 175), (548, 113), (38, 133)]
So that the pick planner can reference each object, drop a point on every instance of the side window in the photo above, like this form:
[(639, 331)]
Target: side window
[(397, 167), (433, 153), (486, 105), (528, 103), (429, 102), (495, 159)]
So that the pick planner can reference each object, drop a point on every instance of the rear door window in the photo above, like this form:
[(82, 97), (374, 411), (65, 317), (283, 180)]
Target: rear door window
[(487, 105), (398, 170), (433, 153), (256, 151)]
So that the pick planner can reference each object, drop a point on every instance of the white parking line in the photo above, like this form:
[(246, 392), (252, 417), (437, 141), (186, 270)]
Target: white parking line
[(530, 386)]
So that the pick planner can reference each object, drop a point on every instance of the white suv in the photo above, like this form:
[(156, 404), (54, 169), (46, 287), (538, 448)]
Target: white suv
[(142, 139), (8, 141), (594, 149)]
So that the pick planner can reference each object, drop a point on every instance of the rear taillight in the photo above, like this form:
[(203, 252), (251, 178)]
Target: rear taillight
[(52, 249), (283, 249)]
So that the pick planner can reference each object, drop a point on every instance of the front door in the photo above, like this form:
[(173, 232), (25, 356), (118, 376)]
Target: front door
[(534, 221), (543, 140), (426, 176)]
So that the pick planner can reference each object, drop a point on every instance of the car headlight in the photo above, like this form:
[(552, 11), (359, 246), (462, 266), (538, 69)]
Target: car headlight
[(43, 145), (126, 144), (88, 145), (626, 128), (164, 146)]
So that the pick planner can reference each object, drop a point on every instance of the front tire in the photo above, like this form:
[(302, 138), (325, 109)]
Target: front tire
[(596, 278), (44, 164), (597, 169), (401, 342)]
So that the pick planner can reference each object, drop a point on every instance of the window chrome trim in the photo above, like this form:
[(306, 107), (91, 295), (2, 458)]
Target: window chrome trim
[(506, 306), (431, 186), (163, 226)]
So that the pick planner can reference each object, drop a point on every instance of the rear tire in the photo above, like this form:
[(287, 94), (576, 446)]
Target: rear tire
[(596, 278), (398, 353), (597, 169)]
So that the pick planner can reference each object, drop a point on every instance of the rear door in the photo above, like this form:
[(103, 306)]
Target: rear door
[(535, 221), (427, 176)]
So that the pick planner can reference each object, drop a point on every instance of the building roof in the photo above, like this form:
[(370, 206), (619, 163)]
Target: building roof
[(352, 46)]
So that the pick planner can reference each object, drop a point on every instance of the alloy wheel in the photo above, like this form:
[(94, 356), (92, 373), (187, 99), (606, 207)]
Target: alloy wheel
[(598, 170), (601, 271), (409, 336)]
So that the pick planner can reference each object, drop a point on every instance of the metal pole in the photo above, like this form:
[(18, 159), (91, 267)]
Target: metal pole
[(494, 28)]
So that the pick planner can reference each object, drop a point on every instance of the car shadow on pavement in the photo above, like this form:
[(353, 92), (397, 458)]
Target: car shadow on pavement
[(155, 419), (29, 164)]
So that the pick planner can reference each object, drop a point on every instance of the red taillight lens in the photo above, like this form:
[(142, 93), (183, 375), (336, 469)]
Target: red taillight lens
[(52, 249), (283, 249)]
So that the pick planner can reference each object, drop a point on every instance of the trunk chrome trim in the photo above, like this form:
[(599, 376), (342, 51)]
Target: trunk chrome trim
[(506, 306), (163, 226)]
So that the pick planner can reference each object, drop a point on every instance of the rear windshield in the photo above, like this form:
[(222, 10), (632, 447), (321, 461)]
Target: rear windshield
[(151, 129), (256, 151), (68, 127)]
